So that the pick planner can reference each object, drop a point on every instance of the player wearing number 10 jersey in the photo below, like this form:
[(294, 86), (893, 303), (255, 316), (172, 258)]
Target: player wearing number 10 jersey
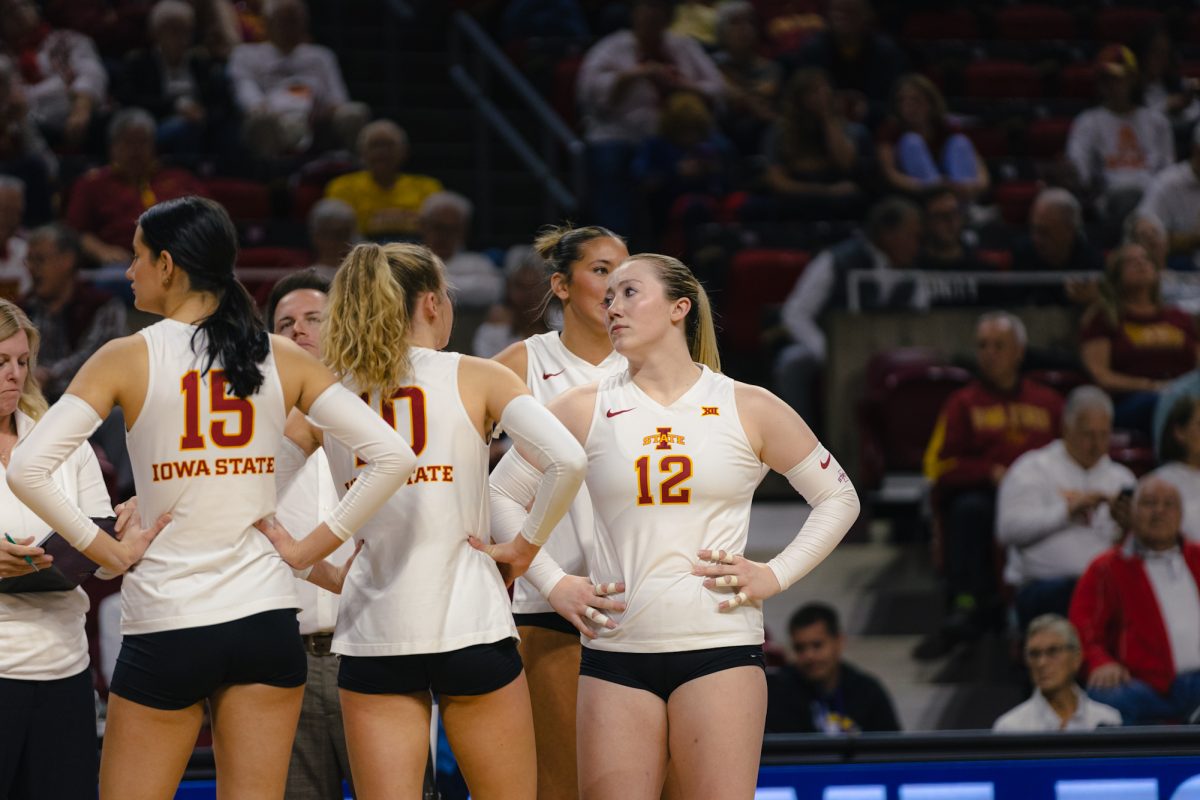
[(422, 611), (209, 614)]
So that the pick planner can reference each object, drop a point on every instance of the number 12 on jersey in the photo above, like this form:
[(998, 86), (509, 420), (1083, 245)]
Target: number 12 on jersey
[(677, 469)]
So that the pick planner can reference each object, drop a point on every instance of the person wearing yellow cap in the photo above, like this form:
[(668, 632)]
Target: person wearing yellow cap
[(1117, 147)]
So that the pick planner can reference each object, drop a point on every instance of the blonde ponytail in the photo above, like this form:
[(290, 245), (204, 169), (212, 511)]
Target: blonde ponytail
[(678, 281), (365, 333)]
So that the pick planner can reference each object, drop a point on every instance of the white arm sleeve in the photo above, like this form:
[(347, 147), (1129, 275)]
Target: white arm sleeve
[(389, 459), (65, 427), (556, 453), (513, 486), (826, 487)]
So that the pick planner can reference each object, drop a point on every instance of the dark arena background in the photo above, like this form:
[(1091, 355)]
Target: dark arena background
[(929, 226)]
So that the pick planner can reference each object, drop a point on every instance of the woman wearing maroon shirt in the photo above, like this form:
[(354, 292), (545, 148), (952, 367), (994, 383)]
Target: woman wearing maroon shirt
[(1132, 344)]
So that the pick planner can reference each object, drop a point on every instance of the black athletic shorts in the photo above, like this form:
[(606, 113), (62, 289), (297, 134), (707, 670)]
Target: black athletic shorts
[(176, 669), (549, 620), (474, 670), (663, 673)]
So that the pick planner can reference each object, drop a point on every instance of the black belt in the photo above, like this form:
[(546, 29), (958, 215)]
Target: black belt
[(317, 644)]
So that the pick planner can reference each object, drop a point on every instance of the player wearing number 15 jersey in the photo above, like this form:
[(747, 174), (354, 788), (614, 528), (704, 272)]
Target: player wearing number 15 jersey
[(209, 614), (422, 611), (675, 451)]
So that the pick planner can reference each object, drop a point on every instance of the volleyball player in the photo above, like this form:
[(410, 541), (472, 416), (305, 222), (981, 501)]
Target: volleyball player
[(421, 611), (578, 261), (675, 451), (209, 613)]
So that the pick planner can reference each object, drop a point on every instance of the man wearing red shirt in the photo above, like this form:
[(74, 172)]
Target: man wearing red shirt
[(1137, 608), (106, 202), (982, 429)]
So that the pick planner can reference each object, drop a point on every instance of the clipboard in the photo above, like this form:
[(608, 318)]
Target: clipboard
[(70, 567)]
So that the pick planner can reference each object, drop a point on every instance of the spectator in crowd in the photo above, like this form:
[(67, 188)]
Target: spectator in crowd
[(1147, 230), (1054, 656), (14, 272), (74, 317), (821, 693), (981, 430), (622, 85), (182, 87), (1162, 86), (689, 156), (919, 147), (892, 241), (1131, 343), (386, 200), (1053, 510), (1055, 243), (63, 79), (24, 153), (522, 314), (948, 247), (1117, 147), (106, 201), (812, 153), (861, 62), (1179, 452), (217, 27), (332, 231), (556, 20), (443, 223), (1174, 197), (291, 91), (116, 26), (696, 19), (1137, 609), (752, 81)]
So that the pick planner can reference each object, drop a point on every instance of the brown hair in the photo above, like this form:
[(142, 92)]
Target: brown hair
[(1181, 414)]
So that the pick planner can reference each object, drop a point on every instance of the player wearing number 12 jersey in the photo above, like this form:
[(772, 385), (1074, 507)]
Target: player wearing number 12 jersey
[(675, 451), (209, 614), (422, 611)]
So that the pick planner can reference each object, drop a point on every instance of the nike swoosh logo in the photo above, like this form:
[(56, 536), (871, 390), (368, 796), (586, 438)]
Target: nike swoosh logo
[(548, 375), (612, 413), (825, 463)]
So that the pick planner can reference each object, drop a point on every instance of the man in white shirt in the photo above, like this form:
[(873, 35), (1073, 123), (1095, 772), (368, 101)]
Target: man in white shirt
[(1058, 704), (1174, 198), (290, 90), (1117, 147), (1053, 508), (319, 761), (14, 273), (892, 241)]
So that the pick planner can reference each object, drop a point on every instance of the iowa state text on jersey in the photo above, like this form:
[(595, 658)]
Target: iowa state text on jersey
[(203, 467)]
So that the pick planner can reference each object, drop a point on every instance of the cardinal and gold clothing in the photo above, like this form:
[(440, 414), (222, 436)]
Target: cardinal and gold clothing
[(667, 482), (981, 426), (1158, 346)]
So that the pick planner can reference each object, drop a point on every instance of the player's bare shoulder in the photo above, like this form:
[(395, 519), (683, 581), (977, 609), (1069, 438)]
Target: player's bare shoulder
[(575, 408), (515, 357)]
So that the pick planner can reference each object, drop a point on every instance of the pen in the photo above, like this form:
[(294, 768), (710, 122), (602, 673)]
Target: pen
[(28, 559)]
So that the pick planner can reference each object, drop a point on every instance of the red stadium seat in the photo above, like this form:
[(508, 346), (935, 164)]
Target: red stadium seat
[(757, 280), (1047, 138), (1014, 199), (1060, 380), (1077, 81), (999, 260), (989, 141), (289, 257), (905, 393), (1031, 23), (244, 200), (1133, 449), (936, 25), (1002, 80), (1123, 24), (304, 197), (565, 74)]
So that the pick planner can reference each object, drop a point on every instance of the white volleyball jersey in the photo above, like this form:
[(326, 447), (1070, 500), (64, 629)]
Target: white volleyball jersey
[(665, 483), (552, 369), (207, 457), (418, 586)]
